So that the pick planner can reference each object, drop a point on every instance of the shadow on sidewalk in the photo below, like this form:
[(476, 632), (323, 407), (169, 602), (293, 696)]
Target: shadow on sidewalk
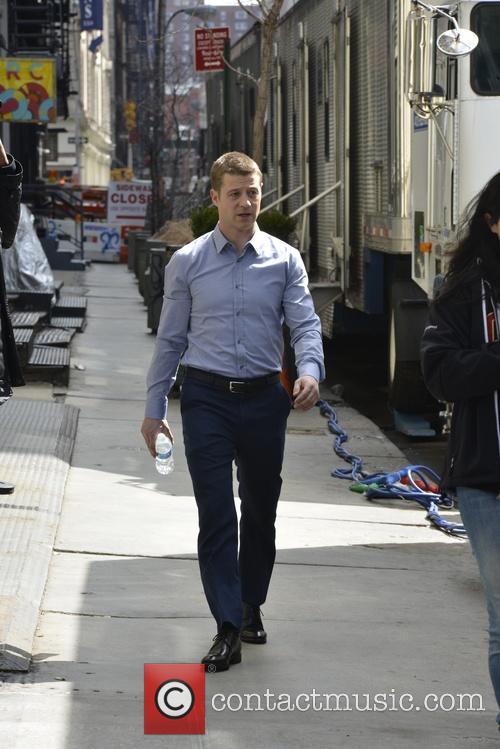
[(356, 621)]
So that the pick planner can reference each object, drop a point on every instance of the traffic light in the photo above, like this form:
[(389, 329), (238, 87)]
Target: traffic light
[(130, 115)]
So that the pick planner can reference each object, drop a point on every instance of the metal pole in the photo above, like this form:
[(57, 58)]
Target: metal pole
[(278, 127), (75, 35), (227, 97), (282, 198), (4, 29), (315, 200)]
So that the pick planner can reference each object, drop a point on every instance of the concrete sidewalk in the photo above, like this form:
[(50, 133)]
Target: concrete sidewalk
[(365, 599)]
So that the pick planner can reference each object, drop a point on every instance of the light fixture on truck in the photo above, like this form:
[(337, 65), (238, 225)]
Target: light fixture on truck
[(454, 42)]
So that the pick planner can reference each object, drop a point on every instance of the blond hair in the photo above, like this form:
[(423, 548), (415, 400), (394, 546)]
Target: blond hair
[(233, 162)]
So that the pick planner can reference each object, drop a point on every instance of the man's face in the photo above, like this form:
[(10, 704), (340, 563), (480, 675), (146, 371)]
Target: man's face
[(238, 202)]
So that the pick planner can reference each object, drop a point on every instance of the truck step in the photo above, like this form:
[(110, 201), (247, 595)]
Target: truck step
[(33, 300), (54, 337), (27, 319), (70, 306), (24, 338), (78, 323), (49, 364)]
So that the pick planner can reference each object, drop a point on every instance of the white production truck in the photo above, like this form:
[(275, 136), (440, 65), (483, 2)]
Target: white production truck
[(383, 122), (449, 149)]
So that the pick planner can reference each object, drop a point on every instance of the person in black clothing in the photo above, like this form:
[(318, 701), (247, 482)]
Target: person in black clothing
[(461, 364), (11, 174)]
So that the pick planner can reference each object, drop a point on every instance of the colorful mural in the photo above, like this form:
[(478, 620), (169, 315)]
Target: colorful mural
[(27, 89)]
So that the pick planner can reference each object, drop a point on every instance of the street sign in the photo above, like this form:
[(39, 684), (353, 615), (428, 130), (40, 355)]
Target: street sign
[(81, 140), (127, 202), (209, 48)]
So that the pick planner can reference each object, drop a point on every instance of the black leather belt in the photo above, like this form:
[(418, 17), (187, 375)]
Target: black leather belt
[(240, 387)]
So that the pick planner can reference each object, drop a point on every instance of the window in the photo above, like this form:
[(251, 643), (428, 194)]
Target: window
[(326, 84), (485, 60), (294, 112), (319, 75), (51, 145), (251, 103), (272, 118)]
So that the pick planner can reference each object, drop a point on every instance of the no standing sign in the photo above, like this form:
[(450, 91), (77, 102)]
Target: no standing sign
[(209, 48)]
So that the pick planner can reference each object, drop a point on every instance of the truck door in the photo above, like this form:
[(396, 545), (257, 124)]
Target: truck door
[(478, 115)]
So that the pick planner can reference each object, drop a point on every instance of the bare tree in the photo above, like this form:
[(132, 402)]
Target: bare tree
[(267, 13), (182, 106), (162, 125)]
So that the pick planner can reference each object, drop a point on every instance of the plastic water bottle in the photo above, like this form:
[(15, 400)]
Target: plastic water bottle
[(164, 454)]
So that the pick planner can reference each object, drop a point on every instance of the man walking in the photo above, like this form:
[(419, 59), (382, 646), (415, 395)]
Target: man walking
[(226, 296)]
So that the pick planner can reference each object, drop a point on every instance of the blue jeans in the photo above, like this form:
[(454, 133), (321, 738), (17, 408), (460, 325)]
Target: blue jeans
[(481, 517)]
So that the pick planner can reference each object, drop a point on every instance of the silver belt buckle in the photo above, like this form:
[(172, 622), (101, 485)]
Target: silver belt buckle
[(234, 382)]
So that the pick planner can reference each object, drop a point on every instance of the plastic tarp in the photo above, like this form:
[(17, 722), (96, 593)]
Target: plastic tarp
[(25, 264)]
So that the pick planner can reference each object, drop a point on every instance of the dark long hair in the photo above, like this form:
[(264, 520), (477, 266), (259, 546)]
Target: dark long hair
[(477, 253)]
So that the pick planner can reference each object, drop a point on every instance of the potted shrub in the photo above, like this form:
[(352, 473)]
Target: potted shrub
[(273, 222)]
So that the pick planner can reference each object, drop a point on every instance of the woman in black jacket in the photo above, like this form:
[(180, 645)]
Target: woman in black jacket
[(461, 364), (11, 174)]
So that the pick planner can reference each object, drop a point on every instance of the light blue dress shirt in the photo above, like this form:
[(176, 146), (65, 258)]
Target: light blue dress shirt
[(223, 312)]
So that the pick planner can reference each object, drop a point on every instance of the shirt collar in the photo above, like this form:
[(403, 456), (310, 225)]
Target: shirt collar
[(256, 242)]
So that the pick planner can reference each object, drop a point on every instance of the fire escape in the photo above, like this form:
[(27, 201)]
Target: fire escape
[(39, 29), (42, 28)]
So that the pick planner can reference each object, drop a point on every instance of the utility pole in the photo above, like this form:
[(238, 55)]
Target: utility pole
[(228, 140), (157, 140), (4, 31)]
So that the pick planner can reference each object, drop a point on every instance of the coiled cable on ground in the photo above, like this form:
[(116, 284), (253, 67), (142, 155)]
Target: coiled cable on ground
[(415, 483)]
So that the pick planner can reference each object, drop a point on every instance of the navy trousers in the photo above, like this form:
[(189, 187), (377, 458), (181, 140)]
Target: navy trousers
[(221, 427)]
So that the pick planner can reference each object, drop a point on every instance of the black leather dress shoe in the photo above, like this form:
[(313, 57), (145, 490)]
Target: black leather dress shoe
[(252, 629), (6, 488), (225, 651)]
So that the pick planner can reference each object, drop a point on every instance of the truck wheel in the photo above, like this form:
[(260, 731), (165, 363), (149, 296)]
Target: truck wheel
[(407, 391)]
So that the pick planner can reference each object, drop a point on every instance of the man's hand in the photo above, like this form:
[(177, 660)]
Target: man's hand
[(305, 393), (150, 430), (3, 156)]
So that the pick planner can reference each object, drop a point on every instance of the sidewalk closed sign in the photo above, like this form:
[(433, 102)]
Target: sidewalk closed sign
[(209, 46), (127, 202)]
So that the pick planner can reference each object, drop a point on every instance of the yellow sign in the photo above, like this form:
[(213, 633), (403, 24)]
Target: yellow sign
[(27, 89), (122, 175)]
